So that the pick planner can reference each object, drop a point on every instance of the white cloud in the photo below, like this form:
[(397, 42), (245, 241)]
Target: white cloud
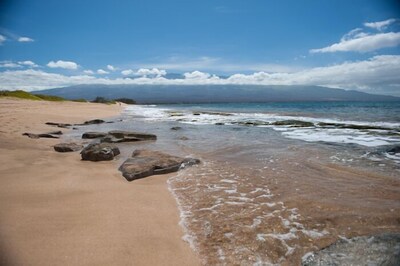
[(379, 74), (127, 72), (102, 72), (27, 63), (144, 72), (380, 25), (88, 72), (25, 39), (2, 39), (363, 43), (196, 75), (111, 68), (9, 64), (63, 64)]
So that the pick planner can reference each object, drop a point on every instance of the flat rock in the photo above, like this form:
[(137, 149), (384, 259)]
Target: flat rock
[(146, 163), (394, 150), (123, 134), (99, 152), (67, 147), (381, 249), (112, 139), (51, 135), (293, 123), (176, 128), (62, 125), (94, 122), (93, 135)]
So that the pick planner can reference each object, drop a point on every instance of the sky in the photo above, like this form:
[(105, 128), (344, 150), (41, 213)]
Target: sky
[(334, 43)]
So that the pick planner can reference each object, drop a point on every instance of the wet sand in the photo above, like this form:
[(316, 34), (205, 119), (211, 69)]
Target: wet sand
[(58, 210)]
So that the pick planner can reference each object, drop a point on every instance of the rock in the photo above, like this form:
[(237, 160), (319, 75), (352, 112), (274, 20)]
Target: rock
[(196, 113), (146, 163), (293, 123), (394, 150), (67, 147), (219, 124), (112, 139), (51, 135), (94, 122), (99, 152), (124, 134), (217, 113), (176, 128), (381, 249), (62, 125), (352, 126), (184, 138), (93, 135)]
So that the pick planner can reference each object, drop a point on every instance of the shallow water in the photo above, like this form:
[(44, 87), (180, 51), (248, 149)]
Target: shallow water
[(264, 195)]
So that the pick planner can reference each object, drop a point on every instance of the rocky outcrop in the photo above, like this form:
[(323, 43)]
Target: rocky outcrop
[(99, 152), (293, 123), (67, 147), (176, 128), (93, 135), (145, 163), (112, 139), (394, 150), (381, 249), (51, 135)]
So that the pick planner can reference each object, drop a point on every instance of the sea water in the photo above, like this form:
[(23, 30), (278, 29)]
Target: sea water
[(277, 180)]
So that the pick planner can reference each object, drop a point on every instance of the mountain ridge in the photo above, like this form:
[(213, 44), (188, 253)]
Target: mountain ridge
[(146, 94)]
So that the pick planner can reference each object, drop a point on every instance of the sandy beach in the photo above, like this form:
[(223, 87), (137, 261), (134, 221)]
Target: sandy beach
[(58, 210)]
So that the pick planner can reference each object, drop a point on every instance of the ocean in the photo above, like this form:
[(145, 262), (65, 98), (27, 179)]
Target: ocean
[(277, 180)]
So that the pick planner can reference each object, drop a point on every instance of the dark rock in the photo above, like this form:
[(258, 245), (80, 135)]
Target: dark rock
[(352, 126), (62, 125), (124, 134), (99, 152), (146, 163), (67, 147), (94, 122), (219, 124), (112, 139), (93, 135), (293, 123), (184, 138), (217, 113), (176, 128), (196, 113), (51, 135), (381, 249), (394, 150)]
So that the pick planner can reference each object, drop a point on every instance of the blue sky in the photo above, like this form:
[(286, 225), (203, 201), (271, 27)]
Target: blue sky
[(312, 42)]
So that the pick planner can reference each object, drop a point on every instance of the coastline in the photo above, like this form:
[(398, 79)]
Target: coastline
[(56, 209)]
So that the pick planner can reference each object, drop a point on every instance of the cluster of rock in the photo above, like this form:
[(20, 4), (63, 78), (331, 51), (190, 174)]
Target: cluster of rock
[(141, 164), (86, 123), (117, 136)]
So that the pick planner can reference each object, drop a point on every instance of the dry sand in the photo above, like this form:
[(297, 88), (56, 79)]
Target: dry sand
[(58, 210)]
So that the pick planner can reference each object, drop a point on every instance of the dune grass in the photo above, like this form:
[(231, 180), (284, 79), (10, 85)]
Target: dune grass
[(29, 96)]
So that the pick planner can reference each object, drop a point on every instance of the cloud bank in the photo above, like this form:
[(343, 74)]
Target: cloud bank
[(378, 74)]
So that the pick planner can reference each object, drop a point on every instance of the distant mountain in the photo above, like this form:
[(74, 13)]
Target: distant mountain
[(214, 93)]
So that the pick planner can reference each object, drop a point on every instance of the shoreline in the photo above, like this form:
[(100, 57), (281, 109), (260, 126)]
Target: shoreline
[(54, 208)]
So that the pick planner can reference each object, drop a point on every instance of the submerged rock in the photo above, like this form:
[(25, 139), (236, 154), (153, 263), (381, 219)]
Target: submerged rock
[(129, 134), (176, 128), (146, 163), (293, 123), (352, 126), (381, 249), (112, 139), (394, 150), (67, 147), (93, 135), (51, 135), (99, 152)]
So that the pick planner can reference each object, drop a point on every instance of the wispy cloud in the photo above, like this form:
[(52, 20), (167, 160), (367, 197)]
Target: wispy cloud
[(358, 40), (111, 68), (144, 72), (88, 72), (20, 64), (377, 73), (102, 72), (379, 25), (2, 39), (63, 64)]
